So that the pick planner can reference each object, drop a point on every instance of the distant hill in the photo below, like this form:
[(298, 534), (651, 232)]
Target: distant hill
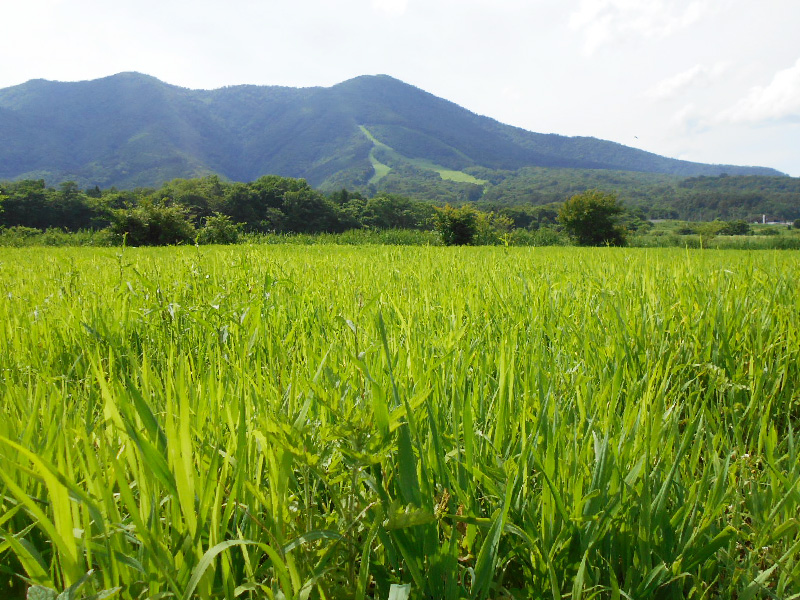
[(372, 133)]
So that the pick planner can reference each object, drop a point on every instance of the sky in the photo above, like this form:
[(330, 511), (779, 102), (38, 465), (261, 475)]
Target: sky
[(714, 81)]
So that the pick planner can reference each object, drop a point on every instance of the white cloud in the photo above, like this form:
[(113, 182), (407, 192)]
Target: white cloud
[(393, 8), (779, 100), (677, 84), (604, 20), (689, 120)]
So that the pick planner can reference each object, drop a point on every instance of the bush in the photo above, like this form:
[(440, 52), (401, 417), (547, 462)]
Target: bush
[(152, 224), (219, 229), (458, 226), (735, 228), (492, 229), (544, 236), (591, 219), (18, 235), (30, 236)]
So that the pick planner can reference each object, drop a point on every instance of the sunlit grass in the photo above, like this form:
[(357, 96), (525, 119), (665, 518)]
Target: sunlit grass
[(445, 173), (291, 421), (381, 170)]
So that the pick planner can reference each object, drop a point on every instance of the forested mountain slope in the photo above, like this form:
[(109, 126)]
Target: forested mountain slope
[(372, 133)]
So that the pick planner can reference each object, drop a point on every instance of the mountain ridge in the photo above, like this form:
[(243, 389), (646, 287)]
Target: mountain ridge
[(131, 129)]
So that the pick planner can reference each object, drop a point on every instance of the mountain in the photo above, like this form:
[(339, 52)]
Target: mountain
[(132, 130)]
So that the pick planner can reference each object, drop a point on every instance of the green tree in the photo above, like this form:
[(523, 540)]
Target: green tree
[(390, 211), (493, 229), (591, 219), (152, 224), (69, 190), (308, 211), (708, 231), (457, 226), (262, 205), (219, 229), (202, 196), (739, 227)]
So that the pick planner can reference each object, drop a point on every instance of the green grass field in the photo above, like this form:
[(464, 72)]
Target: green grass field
[(293, 421)]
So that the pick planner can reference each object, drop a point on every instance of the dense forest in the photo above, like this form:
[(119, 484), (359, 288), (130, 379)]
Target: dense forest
[(131, 130), (526, 199), (268, 204), (654, 196)]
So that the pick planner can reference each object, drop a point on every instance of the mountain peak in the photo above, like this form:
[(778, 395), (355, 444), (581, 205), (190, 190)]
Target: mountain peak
[(132, 76), (132, 129)]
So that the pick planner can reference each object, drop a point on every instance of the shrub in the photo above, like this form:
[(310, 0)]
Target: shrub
[(544, 236), (591, 219), (152, 224), (18, 235), (739, 227), (458, 226), (492, 229), (219, 229)]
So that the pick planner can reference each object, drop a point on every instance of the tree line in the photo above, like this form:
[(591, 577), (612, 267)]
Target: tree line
[(184, 208), (655, 196), (211, 210)]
